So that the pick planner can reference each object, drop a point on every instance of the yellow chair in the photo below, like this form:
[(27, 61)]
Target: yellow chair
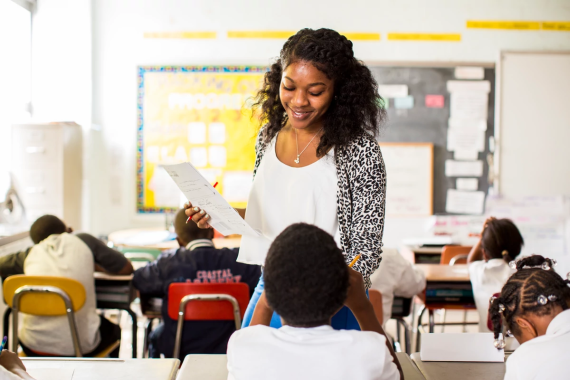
[(47, 296)]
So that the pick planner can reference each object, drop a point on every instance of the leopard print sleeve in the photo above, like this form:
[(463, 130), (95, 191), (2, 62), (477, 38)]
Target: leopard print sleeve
[(361, 204)]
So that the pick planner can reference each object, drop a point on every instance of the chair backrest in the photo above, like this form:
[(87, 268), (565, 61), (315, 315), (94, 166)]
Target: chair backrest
[(44, 304), (207, 310), (450, 251), (375, 298), (401, 307)]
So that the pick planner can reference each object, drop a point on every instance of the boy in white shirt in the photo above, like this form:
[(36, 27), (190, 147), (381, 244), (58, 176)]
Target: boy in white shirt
[(488, 262), (396, 276), (306, 283), (534, 306)]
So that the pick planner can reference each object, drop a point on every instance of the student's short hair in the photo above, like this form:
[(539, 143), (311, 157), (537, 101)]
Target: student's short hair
[(189, 231), (306, 277), (502, 239), (45, 226)]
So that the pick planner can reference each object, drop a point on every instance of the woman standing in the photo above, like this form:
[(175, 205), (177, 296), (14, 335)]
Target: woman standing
[(318, 161)]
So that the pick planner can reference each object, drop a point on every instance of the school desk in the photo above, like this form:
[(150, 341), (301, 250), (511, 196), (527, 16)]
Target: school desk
[(127, 239), (459, 370), (105, 369), (214, 367)]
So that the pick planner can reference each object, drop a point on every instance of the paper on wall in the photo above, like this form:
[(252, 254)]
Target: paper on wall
[(472, 139), (469, 86), (469, 105), (217, 133), (164, 191), (465, 155), (217, 156), (465, 202), (468, 184), (197, 132), (393, 90), (199, 157), (237, 185), (468, 123), (469, 72), (202, 194), (463, 168), (405, 102)]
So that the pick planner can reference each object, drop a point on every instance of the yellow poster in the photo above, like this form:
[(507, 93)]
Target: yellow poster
[(200, 115)]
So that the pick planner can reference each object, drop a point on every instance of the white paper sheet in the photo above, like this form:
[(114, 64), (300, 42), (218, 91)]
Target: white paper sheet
[(463, 168), (202, 194), (468, 123), (51, 373), (469, 86), (166, 194), (472, 139), (467, 184), (460, 347), (465, 202), (465, 155), (469, 72), (469, 105), (393, 90)]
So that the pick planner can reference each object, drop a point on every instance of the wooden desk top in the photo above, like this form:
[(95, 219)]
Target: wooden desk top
[(455, 273), (214, 367), (118, 238), (108, 369), (462, 370)]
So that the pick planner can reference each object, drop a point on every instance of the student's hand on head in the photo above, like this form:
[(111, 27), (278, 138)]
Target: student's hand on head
[(198, 216), (356, 297), (487, 221)]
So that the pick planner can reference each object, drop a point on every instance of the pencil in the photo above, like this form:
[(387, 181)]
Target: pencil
[(3, 343), (187, 220), (354, 260)]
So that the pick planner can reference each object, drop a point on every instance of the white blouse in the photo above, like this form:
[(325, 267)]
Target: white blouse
[(283, 195)]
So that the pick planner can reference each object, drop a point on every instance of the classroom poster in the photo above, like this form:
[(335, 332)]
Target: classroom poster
[(200, 115)]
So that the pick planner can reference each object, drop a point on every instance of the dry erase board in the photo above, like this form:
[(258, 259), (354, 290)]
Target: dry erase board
[(410, 181), (423, 124)]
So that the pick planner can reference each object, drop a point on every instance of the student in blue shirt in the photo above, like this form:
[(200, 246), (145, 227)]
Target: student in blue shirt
[(198, 261)]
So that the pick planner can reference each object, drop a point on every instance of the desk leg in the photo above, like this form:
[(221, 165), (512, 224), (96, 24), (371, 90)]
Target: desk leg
[(431, 321), (135, 331), (6, 325)]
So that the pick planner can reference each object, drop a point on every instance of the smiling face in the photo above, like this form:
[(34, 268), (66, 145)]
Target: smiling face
[(306, 93)]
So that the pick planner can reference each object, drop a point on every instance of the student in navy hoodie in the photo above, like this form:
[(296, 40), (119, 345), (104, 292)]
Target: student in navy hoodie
[(198, 261)]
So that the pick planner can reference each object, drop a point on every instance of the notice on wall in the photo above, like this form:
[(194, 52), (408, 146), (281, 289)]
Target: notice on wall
[(393, 90), (469, 72), (465, 155), (405, 102), (467, 139), (465, 202), (463, 168), (435, 101), (469, 99), (468, 123), (467, 184)]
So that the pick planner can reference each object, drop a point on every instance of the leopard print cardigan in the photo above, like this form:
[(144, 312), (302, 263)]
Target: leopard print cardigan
[(361, 200)]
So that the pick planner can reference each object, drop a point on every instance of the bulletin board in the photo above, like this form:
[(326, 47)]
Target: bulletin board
[(200, 115)]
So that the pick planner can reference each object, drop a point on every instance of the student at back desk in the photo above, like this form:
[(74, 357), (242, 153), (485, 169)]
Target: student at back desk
[(59, 253), (488, 262), (199, 261), (396, 276)]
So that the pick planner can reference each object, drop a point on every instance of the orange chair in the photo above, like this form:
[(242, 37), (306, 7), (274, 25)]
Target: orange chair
[(454, 254), (199, 302)]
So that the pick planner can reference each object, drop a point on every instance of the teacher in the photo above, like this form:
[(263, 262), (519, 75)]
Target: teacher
[(318, 160)]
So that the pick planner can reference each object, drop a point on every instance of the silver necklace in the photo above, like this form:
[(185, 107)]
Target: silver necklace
[(297, 143)]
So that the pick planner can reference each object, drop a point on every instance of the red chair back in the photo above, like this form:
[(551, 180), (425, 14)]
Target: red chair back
[(450, 251), (207, 310)]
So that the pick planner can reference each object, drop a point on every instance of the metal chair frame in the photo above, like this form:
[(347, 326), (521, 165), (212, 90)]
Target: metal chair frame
[(44, 289), (202, 297)]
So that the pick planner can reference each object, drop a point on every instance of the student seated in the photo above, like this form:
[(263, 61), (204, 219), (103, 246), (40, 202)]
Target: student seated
[(396, 276), (197, 261), (59, 253), (534, 307), (306, 282), (488, 262), (12, 368)]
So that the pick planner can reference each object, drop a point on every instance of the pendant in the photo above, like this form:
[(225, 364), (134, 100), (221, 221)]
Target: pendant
[(297, 160)]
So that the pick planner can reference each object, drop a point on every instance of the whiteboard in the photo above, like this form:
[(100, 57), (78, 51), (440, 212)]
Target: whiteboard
[(409, 173), (533, 124)]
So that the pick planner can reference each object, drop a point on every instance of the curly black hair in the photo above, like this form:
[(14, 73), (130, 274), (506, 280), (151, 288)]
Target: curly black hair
[(45, 226), (520, 295), (306, 277), (502, 239), (356, 107)]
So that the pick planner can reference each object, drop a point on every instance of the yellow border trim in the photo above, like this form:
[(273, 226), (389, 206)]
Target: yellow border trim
[(181, 35), (423, 37), (558, 26), (512, 25), (357, 36), (274, 34)]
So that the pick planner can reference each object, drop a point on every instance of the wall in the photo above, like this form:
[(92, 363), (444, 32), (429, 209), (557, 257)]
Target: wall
[(118, 47)]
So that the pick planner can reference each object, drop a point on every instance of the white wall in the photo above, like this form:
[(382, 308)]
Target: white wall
[(118, 47)]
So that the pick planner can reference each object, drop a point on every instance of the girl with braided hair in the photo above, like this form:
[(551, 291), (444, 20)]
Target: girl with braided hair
[(318, 160), (488, 262), (534, 307)]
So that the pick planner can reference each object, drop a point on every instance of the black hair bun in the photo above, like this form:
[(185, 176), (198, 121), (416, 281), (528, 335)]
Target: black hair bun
[(535, 261)]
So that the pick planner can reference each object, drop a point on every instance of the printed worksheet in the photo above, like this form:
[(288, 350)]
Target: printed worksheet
[(202, 194)]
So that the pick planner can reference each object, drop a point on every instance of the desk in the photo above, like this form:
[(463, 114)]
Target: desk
[(463, 370), (447, 273), (110, 369), (214, 367), (119, 239)]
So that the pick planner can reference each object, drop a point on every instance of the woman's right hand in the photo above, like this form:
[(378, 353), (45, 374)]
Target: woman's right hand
[(198, 216)]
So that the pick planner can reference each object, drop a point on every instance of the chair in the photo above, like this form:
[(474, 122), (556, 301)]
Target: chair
[(47, 296), (454, 254), (401, 308), (198, 302)]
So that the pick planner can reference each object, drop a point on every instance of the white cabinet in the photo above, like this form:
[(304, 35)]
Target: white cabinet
[(47, 164)]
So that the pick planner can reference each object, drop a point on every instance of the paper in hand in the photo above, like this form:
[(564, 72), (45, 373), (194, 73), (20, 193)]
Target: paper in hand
[(202, 194)]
